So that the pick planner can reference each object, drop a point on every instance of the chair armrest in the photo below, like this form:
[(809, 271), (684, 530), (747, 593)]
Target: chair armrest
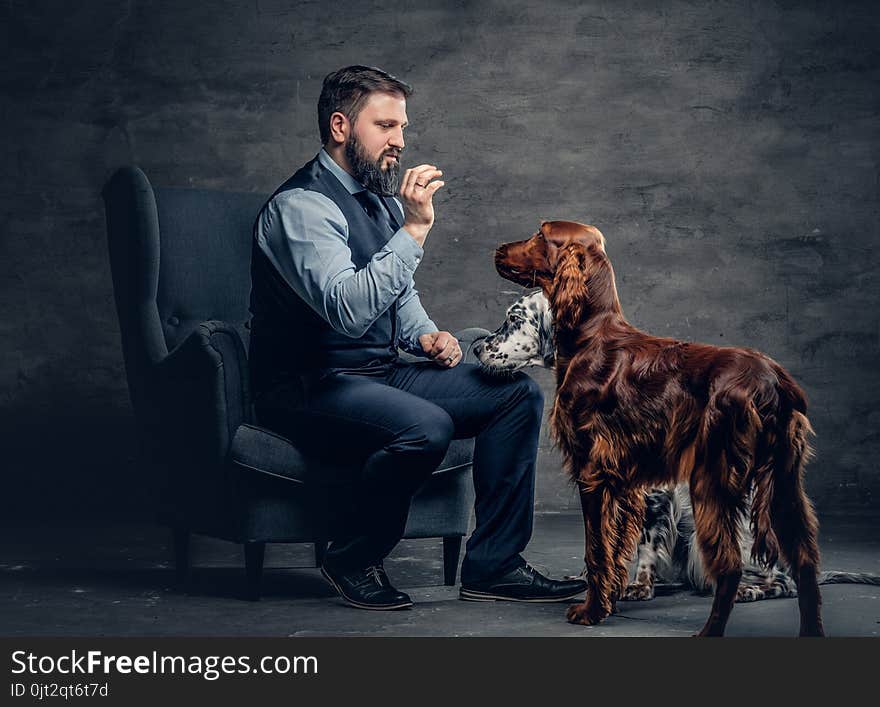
[(467, 338), (204, 389)]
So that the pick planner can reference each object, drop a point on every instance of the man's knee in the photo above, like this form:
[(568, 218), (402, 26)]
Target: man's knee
[(428, 434), (528, 393), (438, 434)]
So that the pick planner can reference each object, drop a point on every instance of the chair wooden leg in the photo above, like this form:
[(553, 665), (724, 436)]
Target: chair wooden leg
[(180, 545), (320, 552), (254, 554), (451, 552)]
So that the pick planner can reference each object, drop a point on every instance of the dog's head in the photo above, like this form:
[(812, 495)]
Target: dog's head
[(524, 339), (567, 261)]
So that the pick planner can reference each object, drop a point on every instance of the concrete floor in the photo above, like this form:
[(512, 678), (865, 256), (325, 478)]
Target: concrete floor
[(118, 581)]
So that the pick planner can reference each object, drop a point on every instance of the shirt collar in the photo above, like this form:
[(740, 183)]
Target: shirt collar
[(350, 183)]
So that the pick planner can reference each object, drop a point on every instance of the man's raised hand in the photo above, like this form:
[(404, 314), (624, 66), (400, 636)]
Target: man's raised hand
[(417, 189)]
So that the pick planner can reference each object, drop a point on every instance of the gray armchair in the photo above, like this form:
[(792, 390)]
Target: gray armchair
[(180, 261)]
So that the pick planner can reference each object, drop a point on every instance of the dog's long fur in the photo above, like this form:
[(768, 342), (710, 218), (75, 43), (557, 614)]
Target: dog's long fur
[(635, 411), (668, 553)]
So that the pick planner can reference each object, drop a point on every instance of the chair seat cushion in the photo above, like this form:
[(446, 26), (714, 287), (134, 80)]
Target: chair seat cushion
[(258, 451)]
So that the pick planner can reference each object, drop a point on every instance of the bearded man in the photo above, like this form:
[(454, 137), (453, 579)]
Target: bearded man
[(332, 299)]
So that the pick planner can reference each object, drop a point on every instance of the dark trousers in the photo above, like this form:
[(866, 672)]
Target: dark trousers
[(398, 420)]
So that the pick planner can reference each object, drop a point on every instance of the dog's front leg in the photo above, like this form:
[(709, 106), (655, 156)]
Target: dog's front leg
[(598, 557)]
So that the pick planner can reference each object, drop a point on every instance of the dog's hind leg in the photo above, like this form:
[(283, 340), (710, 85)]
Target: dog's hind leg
[(795, 525), (716, 530)]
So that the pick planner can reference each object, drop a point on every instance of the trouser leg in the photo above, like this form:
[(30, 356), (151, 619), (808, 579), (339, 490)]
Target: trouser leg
[(504, 415), (397, 440)]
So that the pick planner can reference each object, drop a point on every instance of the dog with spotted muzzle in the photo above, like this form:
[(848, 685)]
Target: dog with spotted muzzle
[(524, 339)]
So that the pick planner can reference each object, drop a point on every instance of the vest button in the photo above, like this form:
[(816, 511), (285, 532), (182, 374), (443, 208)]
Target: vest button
[(173, 321)]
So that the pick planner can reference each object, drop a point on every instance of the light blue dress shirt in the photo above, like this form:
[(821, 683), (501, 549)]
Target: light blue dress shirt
[(305, 236)]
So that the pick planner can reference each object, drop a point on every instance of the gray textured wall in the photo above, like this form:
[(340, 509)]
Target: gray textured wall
[(728, 151)]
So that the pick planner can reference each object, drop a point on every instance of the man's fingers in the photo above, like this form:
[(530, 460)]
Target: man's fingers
[(442, 347), (451, 355), (427, 176), (406, 181), (433, 187), (420, 175), (411, 176), (438, 347), (417, 171), (418, 191), (447, 352), (427, 341), (439, 343), (445, 346)]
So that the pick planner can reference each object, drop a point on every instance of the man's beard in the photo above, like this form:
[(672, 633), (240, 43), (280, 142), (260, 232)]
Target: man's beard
[(384, 182)]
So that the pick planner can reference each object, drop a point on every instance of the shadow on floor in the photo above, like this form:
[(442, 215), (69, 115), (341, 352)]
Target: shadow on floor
[(119, 581)]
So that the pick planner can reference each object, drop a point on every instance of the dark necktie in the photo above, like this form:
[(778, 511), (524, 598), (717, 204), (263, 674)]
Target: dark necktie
[(376, 210)]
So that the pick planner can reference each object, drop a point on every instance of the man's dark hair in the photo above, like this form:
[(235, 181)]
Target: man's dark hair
[(347, 89)]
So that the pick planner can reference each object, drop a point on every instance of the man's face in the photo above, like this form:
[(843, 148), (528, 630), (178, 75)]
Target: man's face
[(376, 142)]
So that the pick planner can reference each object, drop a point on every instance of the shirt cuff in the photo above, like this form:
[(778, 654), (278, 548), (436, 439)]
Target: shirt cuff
[(412, 345), (404, 246), (428, 328)]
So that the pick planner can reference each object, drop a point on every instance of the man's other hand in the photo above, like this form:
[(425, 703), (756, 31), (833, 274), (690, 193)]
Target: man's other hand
[(442, 347)]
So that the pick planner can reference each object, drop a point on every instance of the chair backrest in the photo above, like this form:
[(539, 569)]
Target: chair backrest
[(178, 257), (204, 259)]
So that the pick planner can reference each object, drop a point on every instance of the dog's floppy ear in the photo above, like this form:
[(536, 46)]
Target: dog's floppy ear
[(568, 293)]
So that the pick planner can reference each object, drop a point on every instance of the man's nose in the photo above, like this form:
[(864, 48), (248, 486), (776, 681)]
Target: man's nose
[(396, 139)]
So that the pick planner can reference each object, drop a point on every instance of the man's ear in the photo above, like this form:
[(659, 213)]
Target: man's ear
[(340, 127), (568, 293)]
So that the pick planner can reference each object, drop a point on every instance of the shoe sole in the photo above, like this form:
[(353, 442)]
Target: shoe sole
[(473, 595), (359, 605)]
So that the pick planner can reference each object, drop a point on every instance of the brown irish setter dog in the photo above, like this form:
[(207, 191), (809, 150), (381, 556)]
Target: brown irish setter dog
[(635, 411)]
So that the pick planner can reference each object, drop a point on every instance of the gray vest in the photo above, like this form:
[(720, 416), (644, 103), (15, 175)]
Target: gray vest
[(288, 339)]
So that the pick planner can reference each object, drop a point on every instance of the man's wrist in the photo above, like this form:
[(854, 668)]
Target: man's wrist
[(418, 232)]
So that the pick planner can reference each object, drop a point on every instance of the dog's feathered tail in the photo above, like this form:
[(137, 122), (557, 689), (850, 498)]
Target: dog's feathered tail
[(765, 545), (849, 578), (783, 520)]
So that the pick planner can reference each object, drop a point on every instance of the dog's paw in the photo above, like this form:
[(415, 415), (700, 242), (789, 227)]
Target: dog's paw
[(583, 614), (746, 593), (638, 592)]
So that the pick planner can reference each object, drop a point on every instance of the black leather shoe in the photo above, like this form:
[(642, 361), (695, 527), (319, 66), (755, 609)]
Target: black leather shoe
[(368, 588), (524, 583)]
